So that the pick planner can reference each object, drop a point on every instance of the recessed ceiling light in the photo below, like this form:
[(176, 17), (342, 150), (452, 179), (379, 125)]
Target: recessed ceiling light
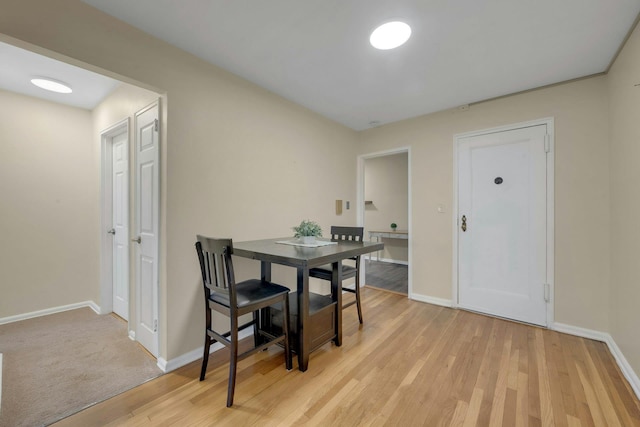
[(390, 35), (52, 85)]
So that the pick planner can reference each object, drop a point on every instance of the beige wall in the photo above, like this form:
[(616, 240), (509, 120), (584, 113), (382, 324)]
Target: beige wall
[(624, 102), (49, 251), (386, 185), (238, 161), (122, 103), (581, 190)]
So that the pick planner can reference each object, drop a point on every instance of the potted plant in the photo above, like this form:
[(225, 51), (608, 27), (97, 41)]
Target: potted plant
[(307, 231), (394, 226)]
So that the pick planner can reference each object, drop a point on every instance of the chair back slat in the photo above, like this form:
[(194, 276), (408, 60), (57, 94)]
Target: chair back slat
[(351, 234), (216, 266), (347, 233), (215, 271)]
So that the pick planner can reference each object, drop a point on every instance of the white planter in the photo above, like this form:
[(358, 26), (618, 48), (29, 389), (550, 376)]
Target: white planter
[(308, 239)]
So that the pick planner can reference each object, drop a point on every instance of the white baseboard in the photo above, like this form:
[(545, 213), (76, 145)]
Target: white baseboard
[(186, 358), (580, 332), (626, 369), (162, 364), (132, 335), (622, 362), (95, 307), (10, 319), (431, 300)]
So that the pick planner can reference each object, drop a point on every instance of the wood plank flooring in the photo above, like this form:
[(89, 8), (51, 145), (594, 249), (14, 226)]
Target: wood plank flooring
[(410, 364)]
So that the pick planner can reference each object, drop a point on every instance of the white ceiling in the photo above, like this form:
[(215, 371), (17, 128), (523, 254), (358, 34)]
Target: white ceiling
[(19, 66), (316, 52)]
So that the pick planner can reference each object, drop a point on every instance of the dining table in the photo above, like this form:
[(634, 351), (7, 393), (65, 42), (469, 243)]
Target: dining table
[(303, 257)]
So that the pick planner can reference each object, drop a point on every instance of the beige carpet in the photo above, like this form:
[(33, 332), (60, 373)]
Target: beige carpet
[(56, 365)]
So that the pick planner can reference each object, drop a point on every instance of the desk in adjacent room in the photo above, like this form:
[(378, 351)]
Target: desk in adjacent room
[(389, 234)]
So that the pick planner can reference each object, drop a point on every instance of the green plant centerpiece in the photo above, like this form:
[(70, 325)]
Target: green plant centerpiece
[(307, 231), (394, 226)]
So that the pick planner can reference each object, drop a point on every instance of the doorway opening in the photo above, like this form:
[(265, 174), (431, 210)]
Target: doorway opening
[(80, 162), (384, 210), (100, 121)]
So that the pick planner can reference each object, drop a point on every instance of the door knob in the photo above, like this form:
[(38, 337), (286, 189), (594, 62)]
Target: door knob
[(464, 223), (137, 239), (112, 231)]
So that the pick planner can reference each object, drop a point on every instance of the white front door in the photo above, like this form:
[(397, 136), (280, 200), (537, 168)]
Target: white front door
[(147, 225), (502, 210), (120, 229)]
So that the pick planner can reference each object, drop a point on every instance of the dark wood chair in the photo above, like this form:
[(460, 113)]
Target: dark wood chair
[(348, 271), (232, 299)]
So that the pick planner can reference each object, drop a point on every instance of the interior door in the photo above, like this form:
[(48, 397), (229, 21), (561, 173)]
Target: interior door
[(502, 224), (147, 225), (120, 218)]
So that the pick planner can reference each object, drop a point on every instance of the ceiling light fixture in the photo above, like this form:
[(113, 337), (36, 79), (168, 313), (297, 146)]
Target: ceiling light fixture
[(390, 35), (52, 85)]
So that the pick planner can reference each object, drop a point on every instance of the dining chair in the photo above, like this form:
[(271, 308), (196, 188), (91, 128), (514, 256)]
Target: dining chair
[(348, 271), (224, 295)]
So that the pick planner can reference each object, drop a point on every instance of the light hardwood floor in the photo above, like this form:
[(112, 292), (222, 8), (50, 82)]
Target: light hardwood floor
[(409, 364)]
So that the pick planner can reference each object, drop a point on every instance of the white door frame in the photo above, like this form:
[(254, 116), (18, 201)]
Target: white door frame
[(360, 206), (549, 122), (106, 217)]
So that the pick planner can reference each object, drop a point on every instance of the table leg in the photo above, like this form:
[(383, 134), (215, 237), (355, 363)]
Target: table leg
[(336, 292), (265, 271), (265, 314), (304, 340)]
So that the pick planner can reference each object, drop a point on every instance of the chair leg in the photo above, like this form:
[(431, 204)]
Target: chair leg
[(358, 297), (207, 342), (233, 365), (256, 325), (205, 356), (285, 327)]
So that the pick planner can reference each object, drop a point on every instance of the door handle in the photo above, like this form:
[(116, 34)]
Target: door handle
[(112, 231), (138, 240), (464, 223)]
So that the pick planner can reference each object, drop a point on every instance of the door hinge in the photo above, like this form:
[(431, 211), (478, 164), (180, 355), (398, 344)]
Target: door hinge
[(155, 325), (155, 125), (547, 292), (547, 143)]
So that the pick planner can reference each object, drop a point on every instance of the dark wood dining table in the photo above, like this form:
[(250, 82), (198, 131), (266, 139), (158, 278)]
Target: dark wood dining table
[(302, 258)]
